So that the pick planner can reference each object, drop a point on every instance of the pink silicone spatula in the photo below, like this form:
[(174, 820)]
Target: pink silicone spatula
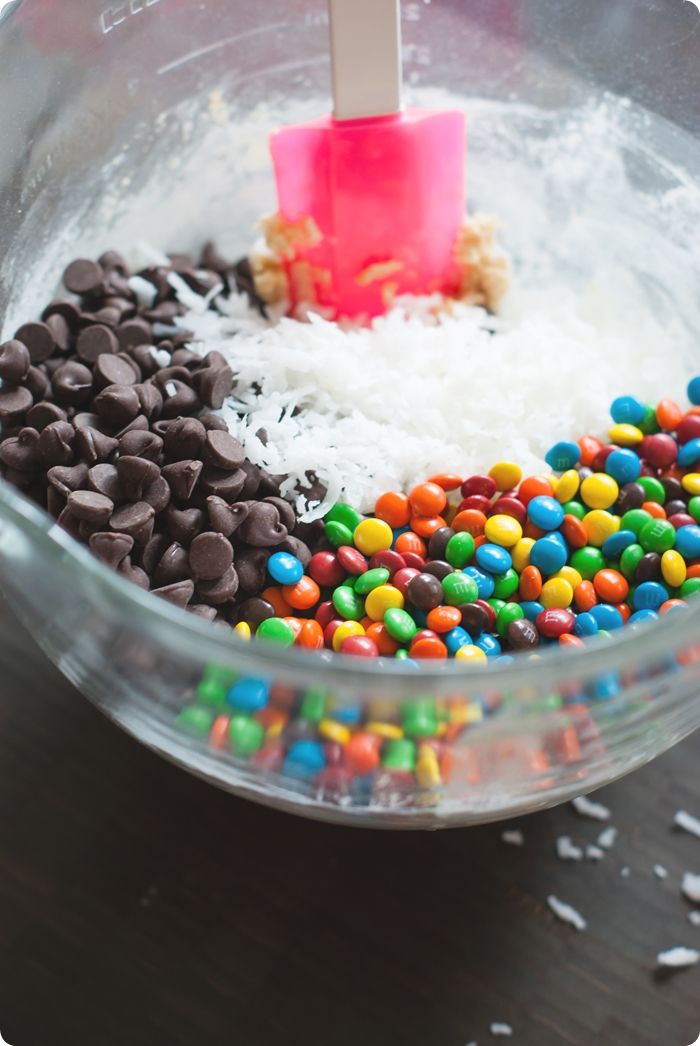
[(375, 192)]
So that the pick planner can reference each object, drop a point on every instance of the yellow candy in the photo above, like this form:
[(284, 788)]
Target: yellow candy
[(390, 731), (569, 574), (599, 526), (520, 554), (506, 475), (275, 729), (333, 731), (242, 630), (373, 535), (503, 530), (566, 487), (348, 628), (599, 490), (691, 483), (381, 599), (556, 594), (673, 568), (427, 767), (473, 654), (625, 435)]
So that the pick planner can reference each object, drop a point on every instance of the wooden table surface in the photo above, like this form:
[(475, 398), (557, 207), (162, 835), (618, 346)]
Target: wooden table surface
[(140, 907)]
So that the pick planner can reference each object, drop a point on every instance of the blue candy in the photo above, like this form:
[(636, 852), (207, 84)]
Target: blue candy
[(606, 616), (689, 453), (549, 554), (688, 541), (545, 512), (348, 714), (585, 625), (248, 694), (484, 582), (487, 643), (615, 545), (457, 637), (563, 456), (284, 568), (642, 615), (531, 608), (504, 659), (606, 686), (627, 409), (694, 391), (649, 596), (304, 759), (623, 465), (494, 559)]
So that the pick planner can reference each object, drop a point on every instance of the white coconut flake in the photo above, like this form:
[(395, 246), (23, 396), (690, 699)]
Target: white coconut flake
[(694, 917), (594, 853), (607, 838), (687, 822), (566, 913), (567, 850), (513, 836), (587, 808), (500, 1028), (146, 292), (690, 886), (660, 872), (677, 958)]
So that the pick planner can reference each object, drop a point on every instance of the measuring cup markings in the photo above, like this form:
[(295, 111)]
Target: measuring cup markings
[(115, 16)]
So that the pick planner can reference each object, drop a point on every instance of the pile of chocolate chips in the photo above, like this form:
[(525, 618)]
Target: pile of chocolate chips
[(107, 423)]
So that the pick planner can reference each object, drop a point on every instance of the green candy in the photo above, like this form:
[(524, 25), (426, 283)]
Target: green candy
[(338, 534), (400, 625), (658, 535), (508, 612), (574, 508), (629, 560), (588, 561), (349, 605), (195, 721), (496, 604), (344, 514), (653, 489), (459, 588), (694, 508), (401, 655), (506, 584), (371, 579), (276, 630), (648, 424), (459, 549), (211, 693), (690, 587), (634, 520), (219, 675), (313, 705), (399, 754), (245, 734), (419, 718)]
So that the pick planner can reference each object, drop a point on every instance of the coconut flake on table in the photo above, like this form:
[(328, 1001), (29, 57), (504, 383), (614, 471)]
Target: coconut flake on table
[(567, 850), (625, 872), (594, 853), (694, 917), (566, 913), (687, 822), (587, 808), (690, 886), (513, 836), (607, 838), (660, 872), (677, 958), (424, 391), (500, 1028)]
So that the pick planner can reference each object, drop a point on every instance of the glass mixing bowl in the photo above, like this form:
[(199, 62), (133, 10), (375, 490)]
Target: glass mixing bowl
[(129, 119)]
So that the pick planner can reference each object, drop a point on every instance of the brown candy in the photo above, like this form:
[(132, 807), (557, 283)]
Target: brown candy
[(157, 495), (523, 634), (178, 398), (14, 362), (255, 610), (37, 382)]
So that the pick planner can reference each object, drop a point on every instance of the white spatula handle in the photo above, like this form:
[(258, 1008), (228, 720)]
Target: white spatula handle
[(366, 57)]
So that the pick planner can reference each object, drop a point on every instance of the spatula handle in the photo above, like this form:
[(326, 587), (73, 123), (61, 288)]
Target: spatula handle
[(366, 57)]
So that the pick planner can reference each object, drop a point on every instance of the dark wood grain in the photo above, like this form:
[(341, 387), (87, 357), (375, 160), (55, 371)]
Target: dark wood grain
[(140, 906)]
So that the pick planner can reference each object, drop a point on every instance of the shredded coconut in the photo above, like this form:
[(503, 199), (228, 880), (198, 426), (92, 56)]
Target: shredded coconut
[(566, 913), (676, 958), (687, 822), (500, 1028), (568, 851), (625, 872), (513, 836), (587, 808), (607, 838), (594, 853), (694, 917), (690, 885), (660, 872)]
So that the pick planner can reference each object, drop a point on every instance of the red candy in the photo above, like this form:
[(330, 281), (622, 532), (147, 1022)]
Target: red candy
[(401, 579), (359, 646), (660, 450), (477, 502), (689, 428), (507, 505), (555, 623), (414, 561), (483, 485), (325, 569), (325, 613), (388, 559), (352, 561)]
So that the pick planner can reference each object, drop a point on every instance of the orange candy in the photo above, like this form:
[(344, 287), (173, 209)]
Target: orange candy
[(296, 626), (670, 604), (427, 499), (386, 646), (530, 583), (304, 595), (624, 610), (218, 738), (362, 753), (429, 648), (654, 509), (410, 542), (567, 639), (693, 571), (533, 486), (574, 531), (471, 520), (611, 586), (669, 415), (393, 508), (589, 447), (443, 619), (585, 596), (275, 595), (311, 635), (446, 480), (425, 526)]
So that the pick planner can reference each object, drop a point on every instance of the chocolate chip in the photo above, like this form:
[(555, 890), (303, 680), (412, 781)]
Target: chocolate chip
[(146, 357), (132, 519), (86, 420), (255, 610), (213, 421), (251, 567), (152, 552), (21, 452), (138, 424), (113, 260), (425, 591), (93, 445), (72, 384), (117, 404), (83, 277), (134, 332), (182, 478), (184, 439), (222, 484), (60, 331), (286, 512), (67, 478), (67, 310), (115, 370), (95, 341), (262, 528), (157, 495), (55, 502), (214, 384), (183, 524), (211, 556), (37, 382), (56, 444), (134, 574), (38, 339), (178, 398), (141, 444), (135, 475), (150, 400), (220, 590), (226, 519), (186, 358), (269, 485), (14, 362), (522, 634), (179, 594), (253, 478), (111, 548), (43, 414), (67, 520), (297, 548), (14, 401), (222, 450), (201, 610), (172, 566), (109, 316), (105, 480), (90, 506)]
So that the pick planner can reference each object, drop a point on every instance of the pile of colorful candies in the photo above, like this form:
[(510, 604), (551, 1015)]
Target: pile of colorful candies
[(473, 569)]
